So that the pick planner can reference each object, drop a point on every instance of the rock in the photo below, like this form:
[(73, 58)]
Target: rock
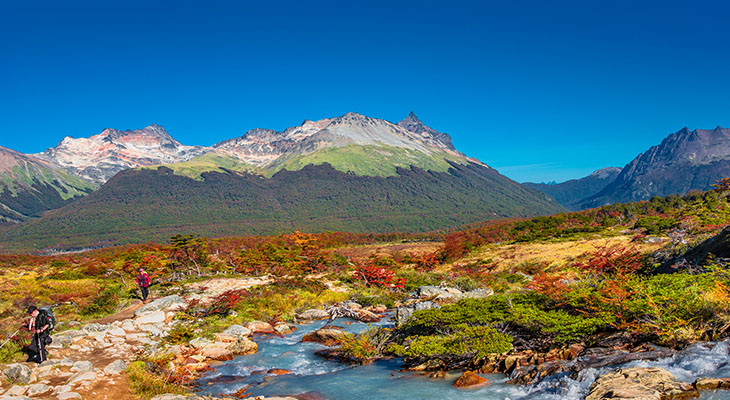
[(279, 371), (640, 383), (283, 329), (11, 397), (152, 317), (712, 383), (93, 327), (326, 336), (62, 389), (403, 313), (16, 391), (352, 305), (175, 397), (116, 331), (115, 367), (161, 304), (128, 325), (17, 373), (38, 389), (380, 308), (237, 331), (75, 333), (313, 314), (199, 343), (437, 292), (245, 346), (218, 351), (367, 316), (68, 396), (259, 327), (469, 379), (60, 341), (82, 366), (478, 293), (81, 377)]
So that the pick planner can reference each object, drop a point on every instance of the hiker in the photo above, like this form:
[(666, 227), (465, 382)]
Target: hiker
[(40, 325), (143, 281)]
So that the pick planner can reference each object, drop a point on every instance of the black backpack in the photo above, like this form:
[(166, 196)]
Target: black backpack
[(49, 316)]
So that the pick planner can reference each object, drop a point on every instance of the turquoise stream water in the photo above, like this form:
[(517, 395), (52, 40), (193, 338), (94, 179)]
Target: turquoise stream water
[(323, 379)]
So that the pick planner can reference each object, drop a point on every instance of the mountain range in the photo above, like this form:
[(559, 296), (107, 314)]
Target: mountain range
[(685, 160), (351, 172)]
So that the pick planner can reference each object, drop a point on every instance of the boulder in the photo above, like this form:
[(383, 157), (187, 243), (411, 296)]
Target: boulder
[(11, 397), (245, 346), (38, 389), (469, 379), (237, 331), (438, 292), (640, 383), (283, 329), (116, 331), (218, 351), (712, 383), (326, 336), (259, 327), (404, 313), (60, 340), (152, 317), (17, 373), (82, 366), (367, 316), (115, 367), (313, 314), (161, 304), (478, 293)]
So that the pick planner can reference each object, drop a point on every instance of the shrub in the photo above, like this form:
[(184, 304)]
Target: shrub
[(146, 384), (465, 341)]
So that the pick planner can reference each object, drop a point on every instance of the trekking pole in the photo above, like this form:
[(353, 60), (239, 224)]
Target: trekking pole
[(10, 337)]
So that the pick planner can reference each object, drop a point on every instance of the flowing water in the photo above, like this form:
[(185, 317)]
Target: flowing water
[(382, 380)]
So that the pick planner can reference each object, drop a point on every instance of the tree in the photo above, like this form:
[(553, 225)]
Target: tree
[(189, 251)]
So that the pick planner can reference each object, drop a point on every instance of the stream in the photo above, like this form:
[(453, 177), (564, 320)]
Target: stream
[(323, 379)]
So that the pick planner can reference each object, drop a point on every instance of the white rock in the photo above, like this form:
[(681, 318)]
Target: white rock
[(38, 389), (116, 331), (16, 391), (81, 377), (115, 367), (68, 395), (162, 304), (82, 366), (128, 325), (153, 317), (62, 389)]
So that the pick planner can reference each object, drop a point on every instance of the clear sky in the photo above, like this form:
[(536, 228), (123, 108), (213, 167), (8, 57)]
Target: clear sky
[(540, 90)]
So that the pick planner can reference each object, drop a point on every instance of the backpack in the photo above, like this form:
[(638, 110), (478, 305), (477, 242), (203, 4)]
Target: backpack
[(49, 315)]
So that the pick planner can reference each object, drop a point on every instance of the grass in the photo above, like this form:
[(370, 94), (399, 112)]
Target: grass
[(146, 384), (370, 160), (552, 255)]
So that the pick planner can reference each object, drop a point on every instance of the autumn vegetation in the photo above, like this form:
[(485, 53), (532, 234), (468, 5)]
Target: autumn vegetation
[(618, 283)]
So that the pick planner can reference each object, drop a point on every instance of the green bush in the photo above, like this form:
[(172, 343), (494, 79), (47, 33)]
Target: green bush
[(465, 341)]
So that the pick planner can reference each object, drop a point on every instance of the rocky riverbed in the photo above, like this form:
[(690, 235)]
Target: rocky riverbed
[(281, 359)]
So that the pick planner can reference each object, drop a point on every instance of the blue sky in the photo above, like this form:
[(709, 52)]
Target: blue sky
[(539, 90)]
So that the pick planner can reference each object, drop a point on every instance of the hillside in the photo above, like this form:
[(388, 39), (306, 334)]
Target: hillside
[(153, 204), (29, 186), (685, 160), (571, 193)]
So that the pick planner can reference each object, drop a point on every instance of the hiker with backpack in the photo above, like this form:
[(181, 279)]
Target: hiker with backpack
[(143, 281), (41, 322)]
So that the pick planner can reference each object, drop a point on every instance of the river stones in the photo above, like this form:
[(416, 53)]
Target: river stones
[(469, 379), (313, 314), (283, 328), (326, 336), (259, 327), (640, 383), (17, 373), (403, 313), (712, 383)]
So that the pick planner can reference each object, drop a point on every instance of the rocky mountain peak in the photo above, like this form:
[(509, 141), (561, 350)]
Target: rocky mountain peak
[(412, 124)]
